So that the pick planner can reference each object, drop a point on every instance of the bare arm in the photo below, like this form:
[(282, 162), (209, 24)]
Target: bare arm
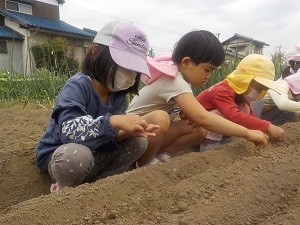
[(284, 103), (210, 121)]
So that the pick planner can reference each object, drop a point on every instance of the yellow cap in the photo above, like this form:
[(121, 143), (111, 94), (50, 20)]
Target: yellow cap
[(253, 67)]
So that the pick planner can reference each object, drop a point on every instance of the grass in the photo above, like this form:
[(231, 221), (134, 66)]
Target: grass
[(42, 88)]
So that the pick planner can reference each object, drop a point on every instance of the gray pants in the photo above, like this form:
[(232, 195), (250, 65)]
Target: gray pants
[(276, 116), (72, 164)]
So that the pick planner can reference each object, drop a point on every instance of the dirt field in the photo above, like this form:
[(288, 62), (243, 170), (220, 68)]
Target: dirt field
[(234, 184)]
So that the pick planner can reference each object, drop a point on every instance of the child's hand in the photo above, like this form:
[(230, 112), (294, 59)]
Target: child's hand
[(258, 138), (276, 133), (133, 125), (149, 130)]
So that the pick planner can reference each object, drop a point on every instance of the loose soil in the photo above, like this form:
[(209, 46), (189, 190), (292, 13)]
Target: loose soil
[(233, 184)]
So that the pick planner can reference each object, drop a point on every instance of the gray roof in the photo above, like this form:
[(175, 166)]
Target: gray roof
[(249, 39)]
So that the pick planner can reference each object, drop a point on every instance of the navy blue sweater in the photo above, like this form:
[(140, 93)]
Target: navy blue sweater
[(79, 116)]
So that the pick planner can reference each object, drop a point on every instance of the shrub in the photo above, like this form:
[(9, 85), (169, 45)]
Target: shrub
[(279, 63), (54, 56), (218, 74)]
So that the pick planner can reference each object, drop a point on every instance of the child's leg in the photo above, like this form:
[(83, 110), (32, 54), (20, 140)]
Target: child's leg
[(73, 163), (181, 136), (162, 119), (218, 137), (276, 116), (213, 139), (257, 107), (130, 150), (70, 164)]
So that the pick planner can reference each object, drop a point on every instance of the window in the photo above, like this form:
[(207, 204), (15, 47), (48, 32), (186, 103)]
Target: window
[(3, 46), (239, 48), (19, 7), (12, 5)]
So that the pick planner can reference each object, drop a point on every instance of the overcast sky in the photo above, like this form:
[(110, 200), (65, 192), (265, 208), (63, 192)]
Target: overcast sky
[(275, 22)]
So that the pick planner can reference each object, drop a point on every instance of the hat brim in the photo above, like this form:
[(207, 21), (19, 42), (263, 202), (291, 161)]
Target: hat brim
[(168, 68), (294, 82), (129, 61), (267, 83)]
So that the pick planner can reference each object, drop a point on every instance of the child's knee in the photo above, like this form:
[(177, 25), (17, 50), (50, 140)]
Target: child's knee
[(70, 164), (160, 118), (138, 145), (202, 132)]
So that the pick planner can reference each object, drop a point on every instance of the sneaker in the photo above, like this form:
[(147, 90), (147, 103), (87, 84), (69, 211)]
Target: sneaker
[(152, 162), (208, 144), (226, 140), (54, 187), (164, 157)]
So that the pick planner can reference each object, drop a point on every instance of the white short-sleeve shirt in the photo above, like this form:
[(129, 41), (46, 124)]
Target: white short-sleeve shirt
[(159, 95)]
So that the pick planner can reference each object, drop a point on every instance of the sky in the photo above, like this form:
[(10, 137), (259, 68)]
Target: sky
[(275, 22)]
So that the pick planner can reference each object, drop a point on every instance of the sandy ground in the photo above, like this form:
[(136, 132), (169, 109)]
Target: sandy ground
[(233, 184)]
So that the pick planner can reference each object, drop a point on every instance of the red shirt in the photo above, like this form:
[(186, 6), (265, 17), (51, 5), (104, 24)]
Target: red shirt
[(222, 97)]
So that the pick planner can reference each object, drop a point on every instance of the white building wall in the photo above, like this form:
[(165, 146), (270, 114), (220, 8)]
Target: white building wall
[(23, 62), (12, 60), (4, 61)]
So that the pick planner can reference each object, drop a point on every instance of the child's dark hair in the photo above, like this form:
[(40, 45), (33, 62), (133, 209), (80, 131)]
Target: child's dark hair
[(201, 46), (286, 72), (98, 64), (239, 99)]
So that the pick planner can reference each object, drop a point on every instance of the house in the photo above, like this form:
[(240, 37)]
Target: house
[(240, 46), (26, 22)]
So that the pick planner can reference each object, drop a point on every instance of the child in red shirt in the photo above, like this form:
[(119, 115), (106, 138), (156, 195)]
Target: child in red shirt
[(231, 98)]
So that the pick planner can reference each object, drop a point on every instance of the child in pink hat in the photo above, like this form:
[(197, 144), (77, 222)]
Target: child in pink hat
[(195, 56), (292, 58), (284, 107), (89, 135)]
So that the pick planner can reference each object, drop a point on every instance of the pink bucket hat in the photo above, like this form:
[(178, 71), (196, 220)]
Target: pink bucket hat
[(159, 66), (293, 54), (294, 82), (128, 45)]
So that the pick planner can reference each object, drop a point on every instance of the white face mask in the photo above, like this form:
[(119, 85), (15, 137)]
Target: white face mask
[(124, 79), (253, 95)]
